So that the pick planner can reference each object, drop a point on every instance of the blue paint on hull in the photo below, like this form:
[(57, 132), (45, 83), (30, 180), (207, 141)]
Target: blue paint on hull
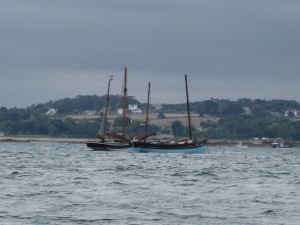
[(188, 150)]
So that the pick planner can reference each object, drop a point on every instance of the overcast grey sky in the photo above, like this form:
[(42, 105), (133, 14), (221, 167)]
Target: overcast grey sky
[(52, 49)]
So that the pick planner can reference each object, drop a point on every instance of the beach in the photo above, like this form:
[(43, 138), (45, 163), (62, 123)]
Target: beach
[(42, 139), (210, 142)]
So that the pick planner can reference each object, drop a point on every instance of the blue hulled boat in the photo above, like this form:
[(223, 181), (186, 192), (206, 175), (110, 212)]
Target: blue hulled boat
[(188, 146)]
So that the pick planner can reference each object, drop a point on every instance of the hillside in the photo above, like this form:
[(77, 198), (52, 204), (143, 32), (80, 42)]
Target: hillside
[(196, 119), (215, 118), (170, 117)]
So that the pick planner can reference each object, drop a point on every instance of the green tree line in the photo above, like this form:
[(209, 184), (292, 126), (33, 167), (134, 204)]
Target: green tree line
[(243, 118)]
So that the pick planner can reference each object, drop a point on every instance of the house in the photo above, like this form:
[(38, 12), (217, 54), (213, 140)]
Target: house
[(90, 112), (51, 112), (120, 111), (289, 112), (134, 108)]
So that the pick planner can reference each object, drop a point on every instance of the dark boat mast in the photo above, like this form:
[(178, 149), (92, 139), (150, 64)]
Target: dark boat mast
[(124, 101), (188, 107), (147, 113), (101, 133)]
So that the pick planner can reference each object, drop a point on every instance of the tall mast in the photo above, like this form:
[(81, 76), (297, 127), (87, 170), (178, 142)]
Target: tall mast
[(147, 113), (124, 101), (103, 124), (188, 107)]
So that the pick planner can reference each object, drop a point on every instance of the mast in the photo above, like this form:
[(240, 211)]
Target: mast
[(147, 113), (124, 101), (101, 133), (188, 107)]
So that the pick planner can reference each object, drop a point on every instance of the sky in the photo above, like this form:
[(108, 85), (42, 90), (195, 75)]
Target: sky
[(54, 49)]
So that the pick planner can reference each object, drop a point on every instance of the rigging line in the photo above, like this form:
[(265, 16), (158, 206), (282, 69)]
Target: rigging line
[(120, 97), (194, 89), (133, 81)]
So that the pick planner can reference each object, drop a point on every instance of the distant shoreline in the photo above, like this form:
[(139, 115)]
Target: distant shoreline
[(83, 141), (43, 139)]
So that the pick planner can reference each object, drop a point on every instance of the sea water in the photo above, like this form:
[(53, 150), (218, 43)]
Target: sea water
[(54, 183)]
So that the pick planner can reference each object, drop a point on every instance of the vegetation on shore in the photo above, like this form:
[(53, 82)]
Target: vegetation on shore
[(218, 119)]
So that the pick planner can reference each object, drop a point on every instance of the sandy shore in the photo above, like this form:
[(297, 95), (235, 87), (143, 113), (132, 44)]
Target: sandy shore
[(83, 140), (42, 139)]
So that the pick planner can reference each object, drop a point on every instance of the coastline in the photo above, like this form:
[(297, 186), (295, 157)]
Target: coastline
[(83, 140), (211, 142), (42, 139)]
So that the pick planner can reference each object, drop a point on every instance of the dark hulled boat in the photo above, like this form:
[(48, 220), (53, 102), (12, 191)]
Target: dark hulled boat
[(108, 140), (108, 145)]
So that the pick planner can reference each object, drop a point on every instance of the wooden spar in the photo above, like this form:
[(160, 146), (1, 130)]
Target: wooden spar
[(147, 113), (188, 107), (124, 101), (107, 101), (101, 134)]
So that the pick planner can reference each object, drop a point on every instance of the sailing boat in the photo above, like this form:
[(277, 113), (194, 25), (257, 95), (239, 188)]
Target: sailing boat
[(190, 145), (118, 142)]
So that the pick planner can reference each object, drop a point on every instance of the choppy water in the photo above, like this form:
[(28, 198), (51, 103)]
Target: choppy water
[(50, 183)]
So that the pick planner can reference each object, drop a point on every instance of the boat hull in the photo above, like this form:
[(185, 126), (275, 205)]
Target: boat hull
[(283, 145), (108, 146), (190, 148)]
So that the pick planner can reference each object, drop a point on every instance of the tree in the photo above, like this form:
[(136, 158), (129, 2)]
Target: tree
[(177, 128), (161, 115)]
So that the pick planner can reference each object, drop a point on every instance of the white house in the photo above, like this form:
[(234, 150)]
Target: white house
[(120, 111), (51, 112), (90, 112), (293, 111), (134, 108)]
